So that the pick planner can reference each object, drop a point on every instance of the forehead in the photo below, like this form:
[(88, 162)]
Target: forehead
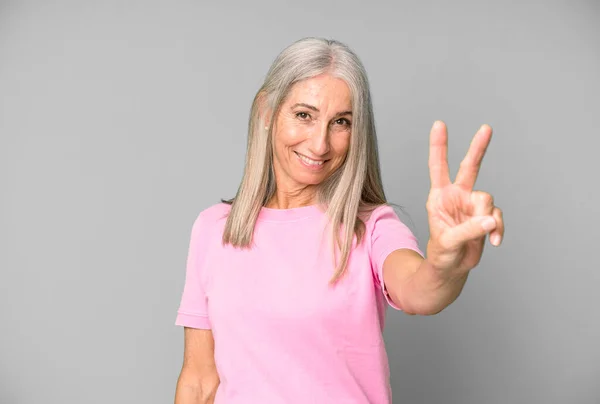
[(321, 89)]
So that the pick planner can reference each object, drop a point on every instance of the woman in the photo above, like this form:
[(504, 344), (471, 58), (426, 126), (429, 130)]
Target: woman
[(287, 283)]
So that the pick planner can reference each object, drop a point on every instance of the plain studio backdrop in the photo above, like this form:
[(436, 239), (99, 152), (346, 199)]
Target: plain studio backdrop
[(121, 121)]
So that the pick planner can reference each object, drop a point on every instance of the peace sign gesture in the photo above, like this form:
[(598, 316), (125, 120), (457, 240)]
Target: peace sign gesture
[(459, 217)]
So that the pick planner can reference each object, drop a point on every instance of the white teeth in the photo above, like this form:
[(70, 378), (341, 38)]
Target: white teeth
[(309, 161)]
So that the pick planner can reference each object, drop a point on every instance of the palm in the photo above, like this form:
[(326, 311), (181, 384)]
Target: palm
[(455, 209)]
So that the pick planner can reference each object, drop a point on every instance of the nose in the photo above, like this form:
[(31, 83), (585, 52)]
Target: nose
[(319, 140)]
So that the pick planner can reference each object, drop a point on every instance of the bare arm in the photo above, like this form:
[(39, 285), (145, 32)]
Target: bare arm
[(460, 219), (198, 380), (416, 287)]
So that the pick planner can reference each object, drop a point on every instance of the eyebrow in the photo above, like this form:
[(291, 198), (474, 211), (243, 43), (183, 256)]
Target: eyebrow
[(313, 108)]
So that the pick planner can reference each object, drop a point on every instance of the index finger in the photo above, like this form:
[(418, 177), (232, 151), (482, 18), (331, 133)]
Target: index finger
[(438, 155)]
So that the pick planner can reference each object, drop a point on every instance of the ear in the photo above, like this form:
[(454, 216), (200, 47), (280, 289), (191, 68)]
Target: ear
[(263, 108)]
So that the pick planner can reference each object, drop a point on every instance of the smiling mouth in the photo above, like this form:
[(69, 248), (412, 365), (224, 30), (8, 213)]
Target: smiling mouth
[(310, 162)]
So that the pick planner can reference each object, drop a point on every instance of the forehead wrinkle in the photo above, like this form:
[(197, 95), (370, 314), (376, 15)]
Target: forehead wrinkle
[(312, 93)]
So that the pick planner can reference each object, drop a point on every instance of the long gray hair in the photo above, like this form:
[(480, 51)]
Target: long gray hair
[(353, 190)]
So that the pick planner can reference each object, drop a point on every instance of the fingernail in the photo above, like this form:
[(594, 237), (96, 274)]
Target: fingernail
[(495, 239), (488, 223)]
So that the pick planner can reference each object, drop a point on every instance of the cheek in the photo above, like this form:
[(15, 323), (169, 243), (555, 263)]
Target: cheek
[(340, 143), (289, 133), (284, 142), (292, 135)]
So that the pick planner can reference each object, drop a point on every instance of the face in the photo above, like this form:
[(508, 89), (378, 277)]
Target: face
[(311, 133)]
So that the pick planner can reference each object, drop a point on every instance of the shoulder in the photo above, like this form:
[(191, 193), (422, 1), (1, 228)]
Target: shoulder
[(215, 212), (212, 216), (378, 213), (383, 219), (387, 233)]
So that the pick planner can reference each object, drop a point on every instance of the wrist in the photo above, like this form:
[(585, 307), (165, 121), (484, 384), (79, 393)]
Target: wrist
[(442, 275)]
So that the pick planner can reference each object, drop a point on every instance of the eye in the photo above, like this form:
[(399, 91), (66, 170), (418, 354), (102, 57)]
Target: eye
[(342, 121), (302, 115)]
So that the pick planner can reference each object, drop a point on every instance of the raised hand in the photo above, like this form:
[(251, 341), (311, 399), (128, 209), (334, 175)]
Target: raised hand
[(459, 217)]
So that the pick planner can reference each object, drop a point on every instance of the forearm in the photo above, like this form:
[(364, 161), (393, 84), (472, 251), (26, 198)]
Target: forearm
[(193, 390), (427, 291)]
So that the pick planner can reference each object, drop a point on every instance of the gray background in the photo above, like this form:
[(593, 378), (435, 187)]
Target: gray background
[(120, 121)]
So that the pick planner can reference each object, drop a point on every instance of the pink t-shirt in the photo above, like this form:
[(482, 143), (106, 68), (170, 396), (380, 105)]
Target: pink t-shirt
[(282, 333)]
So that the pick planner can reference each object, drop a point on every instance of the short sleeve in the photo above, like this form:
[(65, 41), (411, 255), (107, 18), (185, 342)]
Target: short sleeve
[(192, 310), (389, 233)]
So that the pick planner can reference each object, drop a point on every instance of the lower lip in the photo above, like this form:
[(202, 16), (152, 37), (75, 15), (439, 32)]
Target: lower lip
[(310, 166)]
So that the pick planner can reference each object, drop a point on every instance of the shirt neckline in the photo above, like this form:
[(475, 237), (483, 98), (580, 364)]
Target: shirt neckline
[(290, 214)]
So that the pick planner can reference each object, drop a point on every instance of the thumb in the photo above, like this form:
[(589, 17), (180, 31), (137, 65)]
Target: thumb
[(474, 228)]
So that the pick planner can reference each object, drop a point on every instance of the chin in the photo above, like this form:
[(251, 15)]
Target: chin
[(310, 180)]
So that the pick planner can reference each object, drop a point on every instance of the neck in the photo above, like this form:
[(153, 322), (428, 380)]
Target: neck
[(282, 200)]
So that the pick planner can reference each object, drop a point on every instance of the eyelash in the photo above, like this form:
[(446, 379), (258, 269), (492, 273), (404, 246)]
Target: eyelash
[(346, 122), (305, 115)]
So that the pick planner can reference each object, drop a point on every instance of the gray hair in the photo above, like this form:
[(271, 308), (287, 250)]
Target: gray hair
[(353, 190)]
